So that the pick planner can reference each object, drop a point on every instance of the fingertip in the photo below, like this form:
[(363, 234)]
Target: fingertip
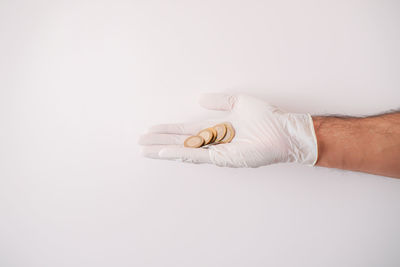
[(204, 97), (158, 128), (217, 101), (144, 152), (167, 153), (151, 151)]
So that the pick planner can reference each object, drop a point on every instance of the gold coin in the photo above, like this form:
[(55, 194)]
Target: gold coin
[(194, 141), (220, 129), (207, 135), (230, 133), (214, 135)]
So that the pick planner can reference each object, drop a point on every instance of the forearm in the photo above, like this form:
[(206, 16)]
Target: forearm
[(369, 144)]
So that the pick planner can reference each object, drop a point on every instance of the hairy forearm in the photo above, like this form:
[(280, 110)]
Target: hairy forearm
[(369, 144)]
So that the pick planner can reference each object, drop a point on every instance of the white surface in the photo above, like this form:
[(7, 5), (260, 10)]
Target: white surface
[(80, 80)]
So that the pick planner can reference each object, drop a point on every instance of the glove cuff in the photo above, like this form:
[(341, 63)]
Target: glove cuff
[(303, 141)]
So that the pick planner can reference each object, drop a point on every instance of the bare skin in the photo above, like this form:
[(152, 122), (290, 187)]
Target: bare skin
[(370, 144)]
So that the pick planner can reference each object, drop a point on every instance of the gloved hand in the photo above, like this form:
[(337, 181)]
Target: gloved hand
[(264, 135)]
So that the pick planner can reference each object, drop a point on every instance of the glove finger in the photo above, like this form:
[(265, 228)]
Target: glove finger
[(152, 151), (177, 128), (192, 155), (162, 139), (217, 101)]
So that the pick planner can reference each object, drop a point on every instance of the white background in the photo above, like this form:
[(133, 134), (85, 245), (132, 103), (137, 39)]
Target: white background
[(81, 80)]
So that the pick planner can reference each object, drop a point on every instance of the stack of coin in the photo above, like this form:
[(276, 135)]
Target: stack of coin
[(219, 134)]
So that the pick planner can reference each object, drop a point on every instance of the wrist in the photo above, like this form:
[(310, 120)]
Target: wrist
[(337, 142)]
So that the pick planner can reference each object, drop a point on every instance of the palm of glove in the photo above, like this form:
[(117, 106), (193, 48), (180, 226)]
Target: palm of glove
[(260, 136), (264, 135)]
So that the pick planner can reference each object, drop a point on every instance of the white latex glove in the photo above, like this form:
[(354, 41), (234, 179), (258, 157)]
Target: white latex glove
[(264, 135)]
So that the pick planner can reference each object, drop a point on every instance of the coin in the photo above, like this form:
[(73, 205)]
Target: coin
[(218, 134), (230, 133), (194, 141), (214, 135), (221, 132), (207, 135)]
